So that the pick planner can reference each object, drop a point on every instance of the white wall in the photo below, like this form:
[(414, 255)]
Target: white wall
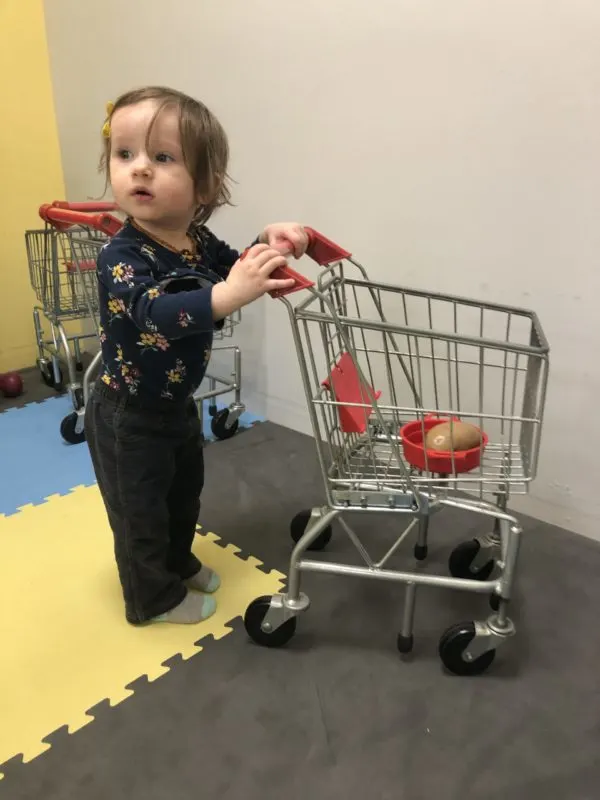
[(450, 145)]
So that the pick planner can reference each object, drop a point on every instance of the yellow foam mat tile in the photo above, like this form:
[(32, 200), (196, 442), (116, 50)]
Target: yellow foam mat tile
[(65, 643)]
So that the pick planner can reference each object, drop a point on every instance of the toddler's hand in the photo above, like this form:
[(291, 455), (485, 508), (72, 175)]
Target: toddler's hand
[(287, 237), (249, 279)]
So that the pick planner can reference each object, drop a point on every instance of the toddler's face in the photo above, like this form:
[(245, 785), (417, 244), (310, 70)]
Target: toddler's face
[(149, 180)]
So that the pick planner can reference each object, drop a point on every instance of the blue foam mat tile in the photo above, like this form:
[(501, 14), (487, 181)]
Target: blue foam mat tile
[(41, 463), (38, 463)]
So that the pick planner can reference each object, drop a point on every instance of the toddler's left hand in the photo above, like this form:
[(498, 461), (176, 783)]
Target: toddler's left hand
[(287, 237)]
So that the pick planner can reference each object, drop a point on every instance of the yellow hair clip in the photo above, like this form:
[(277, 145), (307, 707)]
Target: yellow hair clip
[(110, 107)]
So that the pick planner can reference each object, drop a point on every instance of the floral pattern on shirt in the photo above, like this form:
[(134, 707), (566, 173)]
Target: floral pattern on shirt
[(153, 341), (174, 376), (189, 258), (185, 319), (123, 273), (116, 308), (149, 251), (144, 351), (130, 374), (109, 380)]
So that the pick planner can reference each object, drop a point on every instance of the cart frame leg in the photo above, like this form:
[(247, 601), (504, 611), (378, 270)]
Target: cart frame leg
[(499, 627), (293, 602)]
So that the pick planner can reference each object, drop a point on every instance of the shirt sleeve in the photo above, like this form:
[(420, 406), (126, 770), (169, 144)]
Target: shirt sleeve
[(128, 278), (219, 253)]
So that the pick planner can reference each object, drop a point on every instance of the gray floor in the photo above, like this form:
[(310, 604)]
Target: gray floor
[(34, 389), (338, 714)]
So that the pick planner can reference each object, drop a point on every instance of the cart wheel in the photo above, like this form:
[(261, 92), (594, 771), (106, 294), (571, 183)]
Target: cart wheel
[(461, 560), (452, 645), (253, 618), (68, 432), (219, 427), (47, 375), (298, 526)]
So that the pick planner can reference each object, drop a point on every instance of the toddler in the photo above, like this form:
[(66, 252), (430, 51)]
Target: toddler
[(165, 284)]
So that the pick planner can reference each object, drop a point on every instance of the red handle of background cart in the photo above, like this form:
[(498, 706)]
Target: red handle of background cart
[(88, 207), (64, 218), (321, 249)]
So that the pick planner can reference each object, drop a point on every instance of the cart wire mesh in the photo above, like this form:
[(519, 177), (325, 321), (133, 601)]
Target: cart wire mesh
[(62, 270), (443, 358)]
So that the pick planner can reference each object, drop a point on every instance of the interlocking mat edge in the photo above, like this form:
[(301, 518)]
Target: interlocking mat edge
[(40, 463), (67, 647)]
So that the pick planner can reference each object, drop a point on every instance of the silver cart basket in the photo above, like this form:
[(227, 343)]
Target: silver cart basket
[(64, 287)]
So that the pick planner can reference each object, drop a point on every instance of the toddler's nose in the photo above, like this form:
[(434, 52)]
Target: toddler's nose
[(141, 165)]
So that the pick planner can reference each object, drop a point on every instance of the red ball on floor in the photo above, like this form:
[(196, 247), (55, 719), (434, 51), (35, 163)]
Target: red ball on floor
[(11, 384)]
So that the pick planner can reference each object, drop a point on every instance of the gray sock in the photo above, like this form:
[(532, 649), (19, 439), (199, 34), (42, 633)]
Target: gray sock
[(193, 608), (206, 580)]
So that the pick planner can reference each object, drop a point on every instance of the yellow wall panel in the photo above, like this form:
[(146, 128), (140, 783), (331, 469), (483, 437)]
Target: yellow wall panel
[(32, 171)]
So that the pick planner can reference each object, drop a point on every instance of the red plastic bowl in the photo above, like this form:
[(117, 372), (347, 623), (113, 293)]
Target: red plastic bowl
[(440, 461)]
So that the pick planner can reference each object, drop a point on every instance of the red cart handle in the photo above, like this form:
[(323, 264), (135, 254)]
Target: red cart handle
[(321, 249), (63, 219), (89, 207)]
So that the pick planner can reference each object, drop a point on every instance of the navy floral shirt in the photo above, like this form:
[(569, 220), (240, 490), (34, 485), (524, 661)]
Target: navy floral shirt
[(155, 312)]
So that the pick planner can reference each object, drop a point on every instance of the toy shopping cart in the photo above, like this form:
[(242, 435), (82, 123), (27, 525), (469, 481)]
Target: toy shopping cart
[(65, 285), (385, 369), (62, 260)]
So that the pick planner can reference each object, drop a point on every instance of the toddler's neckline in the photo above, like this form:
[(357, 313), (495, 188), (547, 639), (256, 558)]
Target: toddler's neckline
[(186, 251)]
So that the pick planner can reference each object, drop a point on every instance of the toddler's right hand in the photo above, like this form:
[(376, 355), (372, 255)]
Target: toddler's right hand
[(249, 279)]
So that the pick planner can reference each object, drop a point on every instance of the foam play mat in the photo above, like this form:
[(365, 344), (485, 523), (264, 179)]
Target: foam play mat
[(66, 645), (41, 463)]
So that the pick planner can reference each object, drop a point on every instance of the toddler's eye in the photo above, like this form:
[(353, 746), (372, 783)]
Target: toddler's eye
[(164, 158), (123, 154)]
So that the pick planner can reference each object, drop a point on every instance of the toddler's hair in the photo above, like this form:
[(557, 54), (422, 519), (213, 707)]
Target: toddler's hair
[(203, 142)]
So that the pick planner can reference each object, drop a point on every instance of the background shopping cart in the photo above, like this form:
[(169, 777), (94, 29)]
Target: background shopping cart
[(62, 263), (383, 365), (64, 287)]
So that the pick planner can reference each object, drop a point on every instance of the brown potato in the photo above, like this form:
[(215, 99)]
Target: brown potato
[(459, 436)]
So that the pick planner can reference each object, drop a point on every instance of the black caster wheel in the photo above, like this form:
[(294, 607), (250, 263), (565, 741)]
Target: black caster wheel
[(253, 618), (218, 425), (47, 375), (79, 366), (68, 432), (405, 643), (420, 552), (298, 526), (452, 646), (461, 561)]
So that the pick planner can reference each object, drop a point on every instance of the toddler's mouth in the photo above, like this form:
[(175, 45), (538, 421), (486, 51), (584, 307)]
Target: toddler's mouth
[(142, 194)]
